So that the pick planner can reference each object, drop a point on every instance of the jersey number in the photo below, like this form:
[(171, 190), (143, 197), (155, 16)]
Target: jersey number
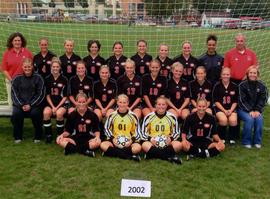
[(104, 98), (160, 128), (69, 69), (54, 91), (131, 91), (82, 127), (226, 100), (177, 95), (122, 127), (199, 132), (153, 91), (188, 71)]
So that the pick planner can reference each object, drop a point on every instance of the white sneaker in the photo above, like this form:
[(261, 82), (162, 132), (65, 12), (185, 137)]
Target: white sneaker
[(232, 142), (36, 141), (258, 146), (17, 141), (248, 146)]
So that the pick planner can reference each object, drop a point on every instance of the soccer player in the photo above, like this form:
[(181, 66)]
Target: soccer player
[(69, 59), (130, 85), (200, 88), (81, 133), (117, 61), (105, 91), (239, 59), (178, 93), (42, 60), (225, 97), (122, 122), (27, 94), (189, 62), (56, 95), (80, 83), (253, 95), (157, 124), (199, 134), (141, 58), (153, 86), (165, 61), (93, 61), (212, 61)]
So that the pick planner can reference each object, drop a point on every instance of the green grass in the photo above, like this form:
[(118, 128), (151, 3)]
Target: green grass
[(31, 170)]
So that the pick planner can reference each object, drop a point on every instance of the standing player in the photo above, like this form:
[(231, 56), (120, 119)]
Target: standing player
[(189, 62), (56, 95), (69, 59), (80, 83), (225, 97), (105, 91), (81, 133), (93, 61), (141, 58), (161, 125), (212, 61), (122, 123), (42, 60), (165, 61), (200, 88), (130, 85), (117, 61), (199, 134), (178, 93), (153, 86)]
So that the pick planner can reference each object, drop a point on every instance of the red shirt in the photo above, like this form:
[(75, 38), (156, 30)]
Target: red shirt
[(12, 61), (239, 62)]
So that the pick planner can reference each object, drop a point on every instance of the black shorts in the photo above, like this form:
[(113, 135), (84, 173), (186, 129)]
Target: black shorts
[(216, 110), (202, 143), (82, 144)]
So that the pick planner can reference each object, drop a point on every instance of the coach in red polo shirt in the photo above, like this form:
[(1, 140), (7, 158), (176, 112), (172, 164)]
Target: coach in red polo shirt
[(239, 59)]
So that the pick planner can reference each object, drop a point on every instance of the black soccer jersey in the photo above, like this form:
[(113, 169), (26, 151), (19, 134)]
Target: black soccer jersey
[(142, 63), (56, 88), (69, 65), (189, 66), (93, 65), (225, 96), (117, 66), (165, 67), (43, 64), (153, 88), (197, 128), (82, 127), (77, 86), (200, 91), (177, 92), (105, 93)]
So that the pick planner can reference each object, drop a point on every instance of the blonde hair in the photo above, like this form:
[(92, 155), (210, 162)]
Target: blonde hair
[(27, 61), (81, 95), (253, 67), (67, 40), (176, 64), (130, 61), (56, 60), (122, 96)]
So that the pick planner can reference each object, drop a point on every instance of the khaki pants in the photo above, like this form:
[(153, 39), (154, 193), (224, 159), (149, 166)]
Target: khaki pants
[(8, 86)]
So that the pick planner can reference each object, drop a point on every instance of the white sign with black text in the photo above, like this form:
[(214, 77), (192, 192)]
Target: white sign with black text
[(136, 188)]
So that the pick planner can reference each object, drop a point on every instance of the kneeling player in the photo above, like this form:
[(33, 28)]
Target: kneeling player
[(199, 135), (81, 130), (160, 129), (122, 131)]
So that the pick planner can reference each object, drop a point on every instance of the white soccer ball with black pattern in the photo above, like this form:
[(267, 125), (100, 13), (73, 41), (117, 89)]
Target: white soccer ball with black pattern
[(161, 141), (122, 141)]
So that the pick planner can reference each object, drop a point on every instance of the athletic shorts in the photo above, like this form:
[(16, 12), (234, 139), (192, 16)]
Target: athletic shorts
[(201, 143)]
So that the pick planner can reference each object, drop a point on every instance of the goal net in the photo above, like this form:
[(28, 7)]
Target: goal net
[(168, 21)]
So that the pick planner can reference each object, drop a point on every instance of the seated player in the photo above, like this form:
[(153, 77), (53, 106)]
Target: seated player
[(199, 135), (225, 97), (165, 61), (153, 86), (130, 85), (200, 88), (178, 93), (56, 95), (80, 83), (105, 91), (122, 124), (160, 132), (81, 133)]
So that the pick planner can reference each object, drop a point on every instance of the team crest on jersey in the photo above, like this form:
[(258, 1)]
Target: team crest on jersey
[(87, 121), (74, 63), (123, 64), (86, 87), (109, 91), (232, 92), (184, 88), (206, 125), (168, 67), (137, 83), (159, 85), (59, 85), (206, 90), (147, 63), (249, 58), (192, 65), (98, 64), (49, 62)]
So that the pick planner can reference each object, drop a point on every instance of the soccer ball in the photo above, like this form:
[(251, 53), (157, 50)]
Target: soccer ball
[(122, 141), (161, 141)]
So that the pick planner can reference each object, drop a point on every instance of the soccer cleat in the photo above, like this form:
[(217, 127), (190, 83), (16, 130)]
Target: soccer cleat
[(232, 142), (18, 141), (248, 146), (190, 157), (89, 153), (136, 158), (258, 146), (36, 141), (175, 159), (49, 139)]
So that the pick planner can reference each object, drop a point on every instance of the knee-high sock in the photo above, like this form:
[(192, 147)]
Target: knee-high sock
[(47, 127), (60, 126)]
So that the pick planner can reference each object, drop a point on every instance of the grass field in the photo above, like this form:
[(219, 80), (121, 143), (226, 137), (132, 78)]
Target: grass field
[(31, 170)]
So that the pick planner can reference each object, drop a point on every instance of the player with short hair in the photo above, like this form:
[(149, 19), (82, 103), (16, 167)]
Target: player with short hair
[(81, 133), (93, 61), (117, 61), (130, 85), (160, 132), (142, 59), (56, 94), (199, 134), (153, 86), (165, 61), (225, 97), (69, 59), (122, 123)]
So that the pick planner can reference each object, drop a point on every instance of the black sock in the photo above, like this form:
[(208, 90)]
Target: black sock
[(213, 152), (60, 126), (167, 152), (232, 132), (222, 132), (47, 127), (124, 153), (153, 153), (193, 150), (110, 152), (207, 153), (70, 148)]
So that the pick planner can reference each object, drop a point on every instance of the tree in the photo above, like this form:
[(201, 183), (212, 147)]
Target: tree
[(52, 4), (37, 3), (210, 5), (69, 3), (83, 3)]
